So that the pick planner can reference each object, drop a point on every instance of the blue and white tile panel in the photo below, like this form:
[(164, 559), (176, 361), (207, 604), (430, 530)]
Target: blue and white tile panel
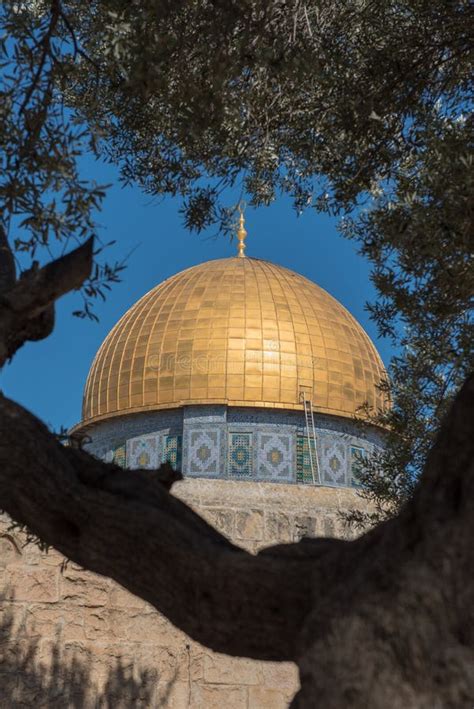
[(239, 443)]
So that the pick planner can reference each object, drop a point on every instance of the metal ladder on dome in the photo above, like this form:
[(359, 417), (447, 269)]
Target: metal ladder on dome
[(311, 438)]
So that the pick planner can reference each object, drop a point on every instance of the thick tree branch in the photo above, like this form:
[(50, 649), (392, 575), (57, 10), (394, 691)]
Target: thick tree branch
[(27, 308), (130, 528), (7, 263), (399, 632), (404, 590)]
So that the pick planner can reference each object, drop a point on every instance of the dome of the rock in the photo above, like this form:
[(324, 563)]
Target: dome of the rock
[(236, 369), (235, 331)]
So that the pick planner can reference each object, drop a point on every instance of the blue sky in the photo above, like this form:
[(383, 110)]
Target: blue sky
[(48, 377)]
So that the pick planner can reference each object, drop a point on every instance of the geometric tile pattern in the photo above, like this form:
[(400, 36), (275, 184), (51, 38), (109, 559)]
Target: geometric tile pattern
[(334, 462), (203, 453), (357, 454), (172, 451), (119, 455), (274, 456), (244, 443), (240, 455), (143, 452), (303, 460)]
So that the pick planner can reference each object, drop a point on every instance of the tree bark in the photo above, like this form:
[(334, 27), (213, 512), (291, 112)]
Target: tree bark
[(27, 305)]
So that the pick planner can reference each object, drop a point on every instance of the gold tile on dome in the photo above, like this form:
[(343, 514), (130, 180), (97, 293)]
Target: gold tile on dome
[(253, 355), (193, 338), (253, 394), (253, 344), (216, 392), (305, 373), (198, 395), (271, 368), (270, 395), (271, 344), (269, 321), (288, 372), (236, 357), (136, 388), (288, 362), (320, 375), (253, 380), (149, 385), (236, 325)]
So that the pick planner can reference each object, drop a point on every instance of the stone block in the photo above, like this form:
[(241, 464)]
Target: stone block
[(48, 621), (119, 597), (249, 525), (222, 520), (221, 669), (329, 526), (304, 526), (145, 663), (10, 553), (174, 695), (277, 528), (12, 620), (32, 584), (212, 696), (136, 625), (96, 623), (83, 587), (279, 675), (264, 698), (32, 555), (197, 655)]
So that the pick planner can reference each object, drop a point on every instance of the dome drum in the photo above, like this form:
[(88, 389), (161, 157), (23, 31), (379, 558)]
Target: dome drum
[(253, 444)]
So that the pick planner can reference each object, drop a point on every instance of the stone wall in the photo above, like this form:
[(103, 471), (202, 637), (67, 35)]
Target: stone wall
[(70, 638)]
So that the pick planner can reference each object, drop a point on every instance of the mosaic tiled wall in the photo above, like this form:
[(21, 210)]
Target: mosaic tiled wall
[(172, 451), (144, 452), (240, 463), (333, 456), (275, 454), (203, 452), (215, 442), (304, 473), (357, 454), (118, 455)]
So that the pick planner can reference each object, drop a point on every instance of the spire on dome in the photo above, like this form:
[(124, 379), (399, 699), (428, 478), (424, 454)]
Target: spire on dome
[(241, 232)]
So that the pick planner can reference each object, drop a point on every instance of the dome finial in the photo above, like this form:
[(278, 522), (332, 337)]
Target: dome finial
[(241, 232)]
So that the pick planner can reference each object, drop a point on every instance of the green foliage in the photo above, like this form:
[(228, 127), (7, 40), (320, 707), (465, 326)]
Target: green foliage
[(317, 99), (418, 236), (44, 202)]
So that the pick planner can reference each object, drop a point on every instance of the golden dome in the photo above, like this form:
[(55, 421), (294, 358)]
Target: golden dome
[(236, 331)]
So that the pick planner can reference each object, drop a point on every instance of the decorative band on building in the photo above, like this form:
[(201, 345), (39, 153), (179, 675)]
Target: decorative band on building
[(224, 444)]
